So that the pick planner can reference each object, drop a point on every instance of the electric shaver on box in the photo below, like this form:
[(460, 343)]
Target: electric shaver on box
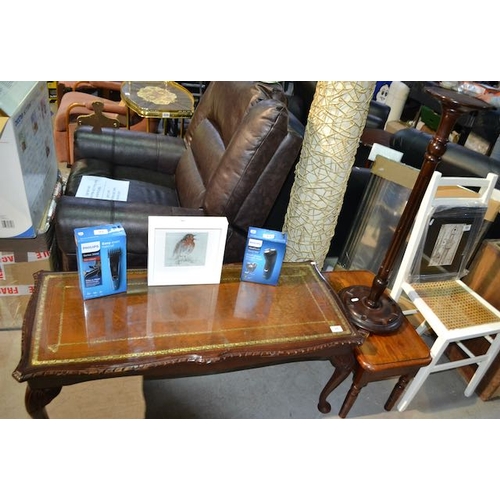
[(270, 261), (263, 257)]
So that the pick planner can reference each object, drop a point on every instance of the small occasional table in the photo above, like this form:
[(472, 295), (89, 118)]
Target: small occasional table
[(178, 331), (400, 353), (162, 100)]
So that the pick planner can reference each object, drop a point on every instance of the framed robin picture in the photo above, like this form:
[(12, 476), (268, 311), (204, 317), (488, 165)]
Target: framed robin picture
[(185, 250)]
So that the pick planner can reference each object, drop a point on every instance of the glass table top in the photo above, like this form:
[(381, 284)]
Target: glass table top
[(187, 321), (158, 99)]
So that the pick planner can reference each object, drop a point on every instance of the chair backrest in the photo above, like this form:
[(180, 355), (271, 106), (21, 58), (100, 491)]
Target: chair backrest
[(97, 119), (240, 148), (445, 229)]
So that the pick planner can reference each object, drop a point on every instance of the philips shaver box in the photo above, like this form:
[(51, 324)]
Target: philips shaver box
[(264, 254), (102, 260)]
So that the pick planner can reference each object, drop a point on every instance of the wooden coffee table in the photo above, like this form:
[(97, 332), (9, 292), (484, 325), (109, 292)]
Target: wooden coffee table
[(179, 331)]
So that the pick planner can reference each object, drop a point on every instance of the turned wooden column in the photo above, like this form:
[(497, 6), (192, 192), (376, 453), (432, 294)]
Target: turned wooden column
[(371, 308)]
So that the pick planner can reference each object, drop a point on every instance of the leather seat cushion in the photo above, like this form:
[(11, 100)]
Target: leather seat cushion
[(146, 186)]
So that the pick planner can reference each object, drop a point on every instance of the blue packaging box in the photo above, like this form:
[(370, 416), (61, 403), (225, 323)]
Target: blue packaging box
[(102, 260), (264, 254)]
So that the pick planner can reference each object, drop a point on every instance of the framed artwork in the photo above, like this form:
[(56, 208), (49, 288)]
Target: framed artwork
[(185, 250), (448, 242)]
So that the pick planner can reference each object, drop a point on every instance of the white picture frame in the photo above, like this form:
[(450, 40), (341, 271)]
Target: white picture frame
[(185, 250)]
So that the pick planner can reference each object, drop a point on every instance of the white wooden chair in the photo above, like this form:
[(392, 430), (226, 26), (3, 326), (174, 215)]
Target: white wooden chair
[(431, 281)]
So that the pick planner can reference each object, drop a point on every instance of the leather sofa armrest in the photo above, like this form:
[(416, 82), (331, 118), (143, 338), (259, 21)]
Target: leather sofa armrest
[(130, 148), (108, 85), (105, 85)]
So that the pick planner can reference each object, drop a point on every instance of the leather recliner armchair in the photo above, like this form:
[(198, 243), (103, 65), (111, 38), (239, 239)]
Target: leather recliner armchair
[(239, 147)]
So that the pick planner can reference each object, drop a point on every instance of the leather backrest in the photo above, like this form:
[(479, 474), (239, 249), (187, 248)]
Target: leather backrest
[(457, 161), (240, 149)]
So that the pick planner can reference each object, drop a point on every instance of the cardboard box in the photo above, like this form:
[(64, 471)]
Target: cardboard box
[(17, 268), (264, 254), (102, 260), (27, 157), (23, 248)]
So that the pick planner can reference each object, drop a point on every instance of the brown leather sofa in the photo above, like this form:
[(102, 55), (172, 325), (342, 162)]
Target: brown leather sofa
[(239, 147)]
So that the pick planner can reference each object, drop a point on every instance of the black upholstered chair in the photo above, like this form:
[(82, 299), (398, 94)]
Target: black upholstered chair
[(239, 147)]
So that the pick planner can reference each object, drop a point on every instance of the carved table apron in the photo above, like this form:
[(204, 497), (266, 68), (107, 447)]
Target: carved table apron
[(179, 331)]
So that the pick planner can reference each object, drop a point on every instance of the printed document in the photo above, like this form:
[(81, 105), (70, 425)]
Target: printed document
[(101, 188)]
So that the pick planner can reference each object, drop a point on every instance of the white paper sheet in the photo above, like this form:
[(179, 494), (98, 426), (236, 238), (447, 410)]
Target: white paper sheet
[(101, 188)]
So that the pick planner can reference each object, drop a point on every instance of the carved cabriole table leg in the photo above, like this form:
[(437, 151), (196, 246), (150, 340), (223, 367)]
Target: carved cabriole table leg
[(36, 400), (343, 365)]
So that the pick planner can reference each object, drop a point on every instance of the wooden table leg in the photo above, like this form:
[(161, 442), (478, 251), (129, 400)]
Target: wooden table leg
[(350, 399), (397, 391), (128, 118), (36, 400), (343, 365)]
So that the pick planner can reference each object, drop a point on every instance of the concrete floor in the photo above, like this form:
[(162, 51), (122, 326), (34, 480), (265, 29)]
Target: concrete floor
[(258, 428)]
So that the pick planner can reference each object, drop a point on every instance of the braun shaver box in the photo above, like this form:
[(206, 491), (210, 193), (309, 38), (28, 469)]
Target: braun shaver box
[(264, 254), (102, 260)]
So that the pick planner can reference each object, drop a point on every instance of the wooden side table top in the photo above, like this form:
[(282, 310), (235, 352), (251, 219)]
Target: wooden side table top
[(158, 99), (190, 329), (382, 353)]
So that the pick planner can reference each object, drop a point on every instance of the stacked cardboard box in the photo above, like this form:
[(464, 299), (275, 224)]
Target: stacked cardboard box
[(29, 187), (20, 259), (27, 157)]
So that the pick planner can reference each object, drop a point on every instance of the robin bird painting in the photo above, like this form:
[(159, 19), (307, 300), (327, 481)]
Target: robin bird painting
[(184, 248)]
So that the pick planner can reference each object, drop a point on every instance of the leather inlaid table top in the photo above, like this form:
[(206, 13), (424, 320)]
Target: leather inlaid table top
[(170, 331)]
